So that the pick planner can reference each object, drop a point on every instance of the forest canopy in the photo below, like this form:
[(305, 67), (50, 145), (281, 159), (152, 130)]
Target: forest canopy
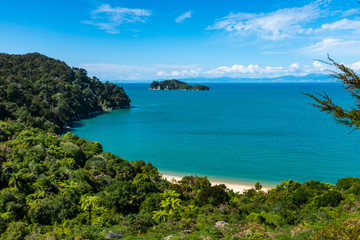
[(174, 84), (46, 93)]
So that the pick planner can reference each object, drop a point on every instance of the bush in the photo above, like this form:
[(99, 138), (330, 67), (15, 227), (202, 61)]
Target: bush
[(346, 183), (15, 231), (214, 195), (330, 198)]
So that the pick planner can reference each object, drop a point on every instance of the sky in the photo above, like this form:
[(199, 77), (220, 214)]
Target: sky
[(139, 41)]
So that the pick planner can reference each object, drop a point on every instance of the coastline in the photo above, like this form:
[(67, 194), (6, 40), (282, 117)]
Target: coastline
[(236, 187)]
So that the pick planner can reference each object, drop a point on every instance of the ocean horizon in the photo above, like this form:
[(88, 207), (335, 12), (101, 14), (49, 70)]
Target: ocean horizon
[(236, 132)]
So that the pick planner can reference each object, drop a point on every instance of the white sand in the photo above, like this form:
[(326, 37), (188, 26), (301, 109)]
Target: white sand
[(237, 187)]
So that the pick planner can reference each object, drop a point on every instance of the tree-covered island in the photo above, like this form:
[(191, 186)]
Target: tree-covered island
[(175, 85), (66, 187)]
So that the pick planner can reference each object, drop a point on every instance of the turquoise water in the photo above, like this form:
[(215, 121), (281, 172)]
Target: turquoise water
[(234, 132)]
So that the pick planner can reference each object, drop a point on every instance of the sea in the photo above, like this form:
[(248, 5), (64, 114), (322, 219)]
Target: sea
[(236, 132)]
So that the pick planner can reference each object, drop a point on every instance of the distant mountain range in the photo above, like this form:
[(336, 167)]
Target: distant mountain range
[(288, 78)]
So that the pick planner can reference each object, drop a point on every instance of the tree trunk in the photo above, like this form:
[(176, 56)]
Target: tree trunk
[(90, 214)]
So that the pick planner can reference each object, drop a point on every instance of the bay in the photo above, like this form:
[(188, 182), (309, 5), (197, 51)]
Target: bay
[(243, 132)]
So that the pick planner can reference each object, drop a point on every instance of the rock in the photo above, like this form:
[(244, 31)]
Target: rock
[(111, 234), (221, 224), (205, 237), (185, 231), (168, 237)]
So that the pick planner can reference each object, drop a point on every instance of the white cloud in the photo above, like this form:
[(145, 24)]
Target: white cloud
[(294, 66), (355, 66), (319, 66), (234, 69), (147, 73), (278, 25), (341, 25), (350, 12), (252, 70), (186, 73), (334, 46), (110, 18), (183, 16)]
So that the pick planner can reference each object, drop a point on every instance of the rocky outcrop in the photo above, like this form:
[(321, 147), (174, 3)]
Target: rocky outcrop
[(112, 235)]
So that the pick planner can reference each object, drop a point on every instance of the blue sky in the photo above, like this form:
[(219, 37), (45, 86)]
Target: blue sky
[(145, 40)]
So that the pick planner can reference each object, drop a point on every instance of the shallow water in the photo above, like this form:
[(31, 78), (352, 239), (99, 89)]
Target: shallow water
[(235, 132)]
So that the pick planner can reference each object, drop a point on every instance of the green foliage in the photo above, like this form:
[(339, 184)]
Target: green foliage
[(214, 195), (202, 183), (200, 87), (16, 231), (348, 229), (175, 85), (170, 206), (151, 203), (64, 184), (43, 92), (268, 219), (348, 184), (351, 81), (258, 186), (89, 203), (48, 180), (329, 198)]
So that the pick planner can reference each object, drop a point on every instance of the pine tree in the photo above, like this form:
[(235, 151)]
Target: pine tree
[(351, 81)]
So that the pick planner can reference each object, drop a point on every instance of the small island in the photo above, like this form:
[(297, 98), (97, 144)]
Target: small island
[(175, 85)]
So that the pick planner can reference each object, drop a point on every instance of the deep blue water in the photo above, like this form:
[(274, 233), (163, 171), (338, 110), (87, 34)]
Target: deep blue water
[(237, 132)]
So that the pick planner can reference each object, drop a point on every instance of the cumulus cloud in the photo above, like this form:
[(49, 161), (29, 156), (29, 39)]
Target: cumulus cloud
[(252, 70), (294, 66), (110, 18), (147, 73), (278, 25), (183, 16), (186, 73), (355, 66), (319, 66)]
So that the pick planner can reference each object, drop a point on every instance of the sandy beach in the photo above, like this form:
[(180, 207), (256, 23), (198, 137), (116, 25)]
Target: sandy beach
[(237, 187)]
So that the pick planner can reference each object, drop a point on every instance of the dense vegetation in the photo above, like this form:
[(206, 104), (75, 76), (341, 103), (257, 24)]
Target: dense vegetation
[(175, 85), (54, 187), (67, 187), (46, 93)]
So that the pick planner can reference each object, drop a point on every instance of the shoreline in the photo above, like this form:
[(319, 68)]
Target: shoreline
[(236, 187)]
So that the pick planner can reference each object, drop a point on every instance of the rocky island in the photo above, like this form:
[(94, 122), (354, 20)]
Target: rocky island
[(175, 85)]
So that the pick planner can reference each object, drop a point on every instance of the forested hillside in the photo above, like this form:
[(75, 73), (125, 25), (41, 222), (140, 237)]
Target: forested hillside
[(46, 93), (54, 187), (66, 187)]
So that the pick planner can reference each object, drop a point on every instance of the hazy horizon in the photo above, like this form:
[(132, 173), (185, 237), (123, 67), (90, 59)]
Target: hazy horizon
[(310, 78)]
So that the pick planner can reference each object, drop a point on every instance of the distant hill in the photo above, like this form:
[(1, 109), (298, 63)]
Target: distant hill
[(313, 77), (44, 92), (175, 85)]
